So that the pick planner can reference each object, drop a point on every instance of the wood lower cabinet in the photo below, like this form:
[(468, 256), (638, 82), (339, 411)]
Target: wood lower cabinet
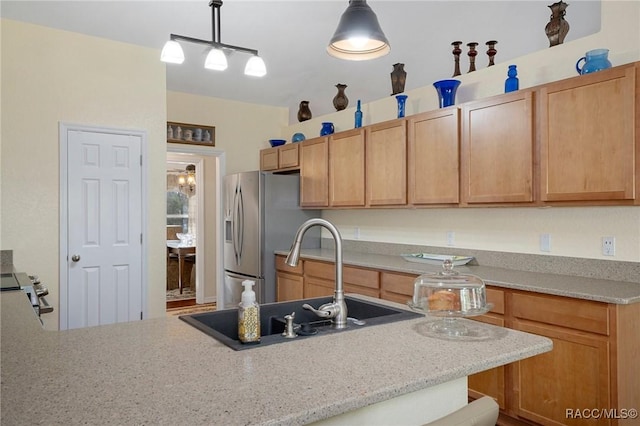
[(314, 172), (312, 278), (386, 163), (433, 161), (320, 276), (588, 136), (289, 281), (590, 367), (347, 169), (498, 143), (593, 364), (289, 286), (396, 286), (491, 382), (574, 375)]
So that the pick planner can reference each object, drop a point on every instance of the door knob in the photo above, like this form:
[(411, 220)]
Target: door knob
[(75, 257)]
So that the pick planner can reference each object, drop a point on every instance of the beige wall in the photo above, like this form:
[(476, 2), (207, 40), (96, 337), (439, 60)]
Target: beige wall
[(51, 76), (574, 231), (242, 129)]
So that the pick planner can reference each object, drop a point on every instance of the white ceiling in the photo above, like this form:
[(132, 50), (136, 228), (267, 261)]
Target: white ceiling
[(291, 36)]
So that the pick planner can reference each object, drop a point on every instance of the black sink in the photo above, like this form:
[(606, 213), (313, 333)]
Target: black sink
[(223, 325)]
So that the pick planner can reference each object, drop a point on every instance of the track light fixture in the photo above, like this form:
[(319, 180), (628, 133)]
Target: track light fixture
[(358, 36), (216, 59)]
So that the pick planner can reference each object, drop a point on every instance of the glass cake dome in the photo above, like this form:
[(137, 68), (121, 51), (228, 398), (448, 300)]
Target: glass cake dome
[(449, 295)]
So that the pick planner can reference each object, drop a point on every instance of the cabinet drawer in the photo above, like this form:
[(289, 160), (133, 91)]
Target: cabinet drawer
[(357, 289), (397, 283), (350, 274), (281, 266), (578, 314)]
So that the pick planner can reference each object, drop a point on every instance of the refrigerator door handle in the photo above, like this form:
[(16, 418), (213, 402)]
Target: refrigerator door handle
[(240, 223), (234, 224)]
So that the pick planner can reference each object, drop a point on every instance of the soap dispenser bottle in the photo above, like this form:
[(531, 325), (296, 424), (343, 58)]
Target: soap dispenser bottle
[(248, 315)]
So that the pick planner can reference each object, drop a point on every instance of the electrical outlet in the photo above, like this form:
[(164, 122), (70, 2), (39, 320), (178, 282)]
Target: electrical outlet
[(609, 246), (545, 242), (356, 233), (451, 238)]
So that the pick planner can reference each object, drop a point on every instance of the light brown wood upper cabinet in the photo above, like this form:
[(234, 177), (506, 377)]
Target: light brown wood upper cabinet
[(497, 149), (314, 172), (433, 141), (269, 159), (280, 158), (588, 136), (347, 169), (386, 163)]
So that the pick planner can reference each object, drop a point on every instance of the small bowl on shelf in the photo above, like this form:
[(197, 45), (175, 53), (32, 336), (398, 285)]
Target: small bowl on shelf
[(277, 142)]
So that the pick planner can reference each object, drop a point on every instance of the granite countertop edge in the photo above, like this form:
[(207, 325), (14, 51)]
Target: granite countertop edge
[(598, 290)]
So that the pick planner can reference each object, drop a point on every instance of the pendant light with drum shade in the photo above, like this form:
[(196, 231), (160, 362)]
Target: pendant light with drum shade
[(358, 36), (216, 59)]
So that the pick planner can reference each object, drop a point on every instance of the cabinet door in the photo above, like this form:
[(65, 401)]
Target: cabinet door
[(574, 375), (314, 171), (489, 382), (346, 169), (588, 137), (434, 157), (289, 287), (497, 149), (269, 159), (288, 156), (386, 168)]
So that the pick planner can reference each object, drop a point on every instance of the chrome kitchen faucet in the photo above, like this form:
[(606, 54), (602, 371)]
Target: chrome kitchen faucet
[(336, 311)]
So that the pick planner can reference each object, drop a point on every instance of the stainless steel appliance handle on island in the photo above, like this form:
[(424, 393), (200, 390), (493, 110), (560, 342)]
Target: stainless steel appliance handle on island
[(262, 213)]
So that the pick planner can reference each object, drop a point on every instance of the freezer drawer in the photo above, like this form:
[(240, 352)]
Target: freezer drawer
[(233, 289)]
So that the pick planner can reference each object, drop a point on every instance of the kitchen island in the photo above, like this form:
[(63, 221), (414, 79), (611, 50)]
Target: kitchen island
[(163, 371)]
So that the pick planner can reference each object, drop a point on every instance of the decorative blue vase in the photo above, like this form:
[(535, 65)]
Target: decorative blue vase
[(511, 84), (594, 60), (402, 101), (297, 137), (327, 129), (446, 92), (358, 116)]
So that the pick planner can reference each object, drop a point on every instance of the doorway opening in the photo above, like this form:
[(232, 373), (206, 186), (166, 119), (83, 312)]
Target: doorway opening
[(182, 223), (193, 222)]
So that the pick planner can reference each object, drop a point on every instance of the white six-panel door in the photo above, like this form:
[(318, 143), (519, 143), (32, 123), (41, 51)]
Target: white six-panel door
[(104, 226)]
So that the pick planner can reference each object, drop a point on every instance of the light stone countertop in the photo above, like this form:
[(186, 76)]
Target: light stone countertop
[(165, 372), (607, 291)]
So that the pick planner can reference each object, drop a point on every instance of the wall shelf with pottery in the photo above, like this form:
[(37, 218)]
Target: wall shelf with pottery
[(194, 134)]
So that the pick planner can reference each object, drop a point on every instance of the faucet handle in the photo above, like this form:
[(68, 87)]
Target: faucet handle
[(328, 310)]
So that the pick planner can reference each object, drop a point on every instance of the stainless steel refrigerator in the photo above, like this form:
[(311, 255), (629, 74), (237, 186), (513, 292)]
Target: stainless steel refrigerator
[(261, 215)]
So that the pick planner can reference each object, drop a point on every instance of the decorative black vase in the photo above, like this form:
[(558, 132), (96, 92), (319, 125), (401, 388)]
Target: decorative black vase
[(340, 101), (304, 113), (558, 27), (398, 78)]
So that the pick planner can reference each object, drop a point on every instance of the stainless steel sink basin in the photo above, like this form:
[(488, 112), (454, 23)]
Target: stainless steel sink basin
[(223, 325)]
